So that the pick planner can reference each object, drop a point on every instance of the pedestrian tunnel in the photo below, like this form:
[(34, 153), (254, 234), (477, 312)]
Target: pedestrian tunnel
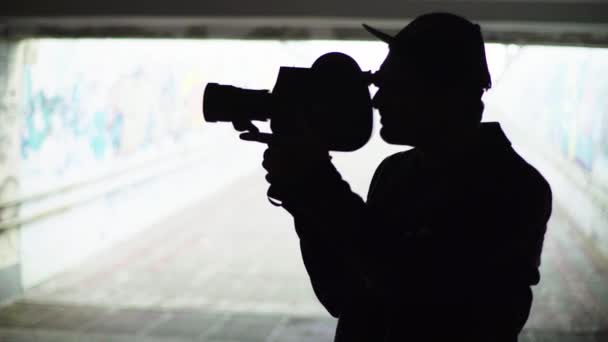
[(124, 215)]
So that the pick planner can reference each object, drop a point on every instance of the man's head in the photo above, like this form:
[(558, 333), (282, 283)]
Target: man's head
[(431, 82)]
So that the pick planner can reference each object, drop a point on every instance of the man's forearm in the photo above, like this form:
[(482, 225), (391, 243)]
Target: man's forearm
[(339, 218)]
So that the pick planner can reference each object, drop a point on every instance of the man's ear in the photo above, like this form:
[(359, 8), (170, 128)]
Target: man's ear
[(458, 107)]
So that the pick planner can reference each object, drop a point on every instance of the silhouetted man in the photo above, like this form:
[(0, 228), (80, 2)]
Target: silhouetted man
[(449, 241)]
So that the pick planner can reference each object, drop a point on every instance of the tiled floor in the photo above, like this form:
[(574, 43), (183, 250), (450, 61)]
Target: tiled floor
[(229, 269)]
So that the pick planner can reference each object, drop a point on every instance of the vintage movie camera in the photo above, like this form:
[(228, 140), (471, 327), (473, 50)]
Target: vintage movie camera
[(331, 97)]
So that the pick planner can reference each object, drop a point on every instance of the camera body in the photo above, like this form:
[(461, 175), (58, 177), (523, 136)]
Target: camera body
[(331, 98)]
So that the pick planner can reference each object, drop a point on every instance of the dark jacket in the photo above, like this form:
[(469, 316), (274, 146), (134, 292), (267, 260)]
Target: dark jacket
[(434, 253)]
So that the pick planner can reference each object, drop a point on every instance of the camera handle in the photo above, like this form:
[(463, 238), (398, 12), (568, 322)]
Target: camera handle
[(252, 133)]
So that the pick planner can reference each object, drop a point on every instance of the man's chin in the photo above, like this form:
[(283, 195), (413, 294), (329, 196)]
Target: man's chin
[(395, 138)]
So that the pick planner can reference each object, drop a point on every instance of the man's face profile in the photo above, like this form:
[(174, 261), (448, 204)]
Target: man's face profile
[(403, 101)]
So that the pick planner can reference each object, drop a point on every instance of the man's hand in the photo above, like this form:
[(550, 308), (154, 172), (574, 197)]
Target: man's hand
[(295, 169), (296, 165)]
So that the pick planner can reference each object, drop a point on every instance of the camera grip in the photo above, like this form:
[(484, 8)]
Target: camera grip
[(273, 194)]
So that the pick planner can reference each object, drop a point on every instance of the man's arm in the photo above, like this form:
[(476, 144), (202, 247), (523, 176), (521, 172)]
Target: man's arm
[(332, 279), (338, 218)]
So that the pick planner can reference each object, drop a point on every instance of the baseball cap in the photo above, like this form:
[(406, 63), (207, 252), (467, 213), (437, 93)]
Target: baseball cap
[(446, 47)]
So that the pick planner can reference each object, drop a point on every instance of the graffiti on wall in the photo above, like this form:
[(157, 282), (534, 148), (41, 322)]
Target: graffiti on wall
[(559, 93), (90, 102), (578, 111), (80, 109)]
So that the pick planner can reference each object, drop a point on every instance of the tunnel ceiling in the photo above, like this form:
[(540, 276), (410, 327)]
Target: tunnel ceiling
[(570, 22)]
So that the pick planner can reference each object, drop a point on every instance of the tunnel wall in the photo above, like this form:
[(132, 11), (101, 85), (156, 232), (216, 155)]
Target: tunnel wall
[(100, 140)]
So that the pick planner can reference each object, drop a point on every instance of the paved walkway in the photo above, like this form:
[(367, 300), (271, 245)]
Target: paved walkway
[(229, 269)]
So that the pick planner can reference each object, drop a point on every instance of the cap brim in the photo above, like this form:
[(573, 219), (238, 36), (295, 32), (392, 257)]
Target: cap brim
[(379, 34)]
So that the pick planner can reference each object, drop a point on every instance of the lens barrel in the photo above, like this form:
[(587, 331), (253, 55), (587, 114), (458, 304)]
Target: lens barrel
[(228, 103)]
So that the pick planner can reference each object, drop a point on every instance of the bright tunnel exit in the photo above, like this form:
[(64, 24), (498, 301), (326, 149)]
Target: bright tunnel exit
[(122, 212)]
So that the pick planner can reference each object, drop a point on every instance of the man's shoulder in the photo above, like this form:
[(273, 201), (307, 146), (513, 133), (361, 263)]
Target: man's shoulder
[(524, 184), (401, 158), (395, 164), (501, 159), (525, 173)]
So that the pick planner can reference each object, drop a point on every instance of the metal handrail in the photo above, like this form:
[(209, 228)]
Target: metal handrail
[(80, 184), (20, 221)]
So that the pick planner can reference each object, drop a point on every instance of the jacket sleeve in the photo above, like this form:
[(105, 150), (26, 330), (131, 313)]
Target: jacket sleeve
[(333, 224), (332, 279), (519, 251)]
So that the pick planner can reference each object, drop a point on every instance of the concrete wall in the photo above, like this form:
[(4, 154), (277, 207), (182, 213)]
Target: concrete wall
[(10, 94), (520, 21), (499, 10)]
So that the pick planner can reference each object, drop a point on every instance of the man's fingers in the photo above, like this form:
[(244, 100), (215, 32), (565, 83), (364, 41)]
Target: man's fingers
[(264, 138), (276, 159)]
